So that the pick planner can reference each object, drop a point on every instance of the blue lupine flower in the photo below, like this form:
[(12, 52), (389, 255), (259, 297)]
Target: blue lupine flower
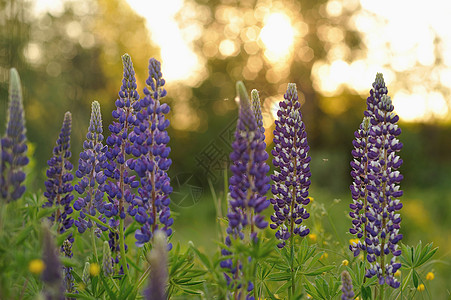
[(158, 278), (119, 188), (379, 185), (248, 184), (150, 139), (13, 150), (51, 276), (90, 171), (292, 175), (67, 271), (346, 286), (59, 183)]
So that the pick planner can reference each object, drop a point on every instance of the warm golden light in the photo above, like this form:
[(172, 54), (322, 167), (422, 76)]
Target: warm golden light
[(277, 36)]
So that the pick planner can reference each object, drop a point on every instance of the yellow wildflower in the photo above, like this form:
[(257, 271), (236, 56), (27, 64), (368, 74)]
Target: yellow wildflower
[(345, 262), (354, 241), (398, 273), (325, 255), (312, 237), (311, 199), (430, 276), (94, 269), (421, 287), (36, 266)]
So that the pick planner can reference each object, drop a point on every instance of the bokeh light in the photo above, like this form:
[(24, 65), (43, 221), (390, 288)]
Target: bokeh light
[(277, 36)]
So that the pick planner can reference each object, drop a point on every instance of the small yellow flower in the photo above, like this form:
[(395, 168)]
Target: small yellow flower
[(312, 237), (420, 288), (311, 199), (345, 262), (325, 255), (81, 286), (361, 257), (94, 269), (36, 266), (354, 241), (430, 276), (357, 298), (398, 273)]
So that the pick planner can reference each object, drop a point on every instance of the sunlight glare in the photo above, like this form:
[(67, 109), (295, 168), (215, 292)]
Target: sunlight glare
[(179, 62), (277, 36)]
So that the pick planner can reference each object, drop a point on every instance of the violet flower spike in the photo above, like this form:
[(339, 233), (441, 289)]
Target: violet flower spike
[(13, 150), (120, 186), (59, 183), (382, 188), (248, 185), (292, 175), (51, 276), (150, 139), (158, 278), (346, 286), (359, 186), (256, 108), (90, 171), (249, 182)]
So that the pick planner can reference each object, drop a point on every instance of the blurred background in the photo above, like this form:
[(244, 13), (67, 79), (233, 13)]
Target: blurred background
[(68, 53)]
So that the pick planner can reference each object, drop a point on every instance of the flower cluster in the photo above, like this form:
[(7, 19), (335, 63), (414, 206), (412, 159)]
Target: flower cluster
[(119, 188), (292, 175), (376, 189), (150, 140), (346, 287), (90, 171), (158, 278), (248, 183), (13, 156), (59, 183)]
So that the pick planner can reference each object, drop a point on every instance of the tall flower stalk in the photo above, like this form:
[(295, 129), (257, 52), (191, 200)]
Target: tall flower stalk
[(121, 184), (59, 179), (150, 140), (13, 150), (90, 171), (292, 175), (376, 189), (248, 186)]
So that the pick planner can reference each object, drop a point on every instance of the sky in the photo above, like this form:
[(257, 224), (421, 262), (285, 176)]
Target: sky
[(399, 37)]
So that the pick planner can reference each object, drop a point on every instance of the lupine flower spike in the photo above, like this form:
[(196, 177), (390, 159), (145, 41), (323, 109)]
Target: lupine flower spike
[(107, 261), (120, 188), (51, 276), (377, 179), (13, 151), (346, 286), (59, 183), (90, 171), (150, 139), (158, 279), (292, 175), (248, 183)]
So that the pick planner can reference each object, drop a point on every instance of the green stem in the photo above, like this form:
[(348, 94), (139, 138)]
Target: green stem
[(381, 296), (293, 284), (94, 245), (122, 246), (95, 219)]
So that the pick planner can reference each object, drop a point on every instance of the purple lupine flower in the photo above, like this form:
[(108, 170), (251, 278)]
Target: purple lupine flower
[(381, 183), (59, 183), (248, 184), (51, 276), (358, 188), (13, 150), (90, 171), (150, 138), (346, 286), (119, 188), (292, 175), (158, 278), (67, 271), (256, 108)]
